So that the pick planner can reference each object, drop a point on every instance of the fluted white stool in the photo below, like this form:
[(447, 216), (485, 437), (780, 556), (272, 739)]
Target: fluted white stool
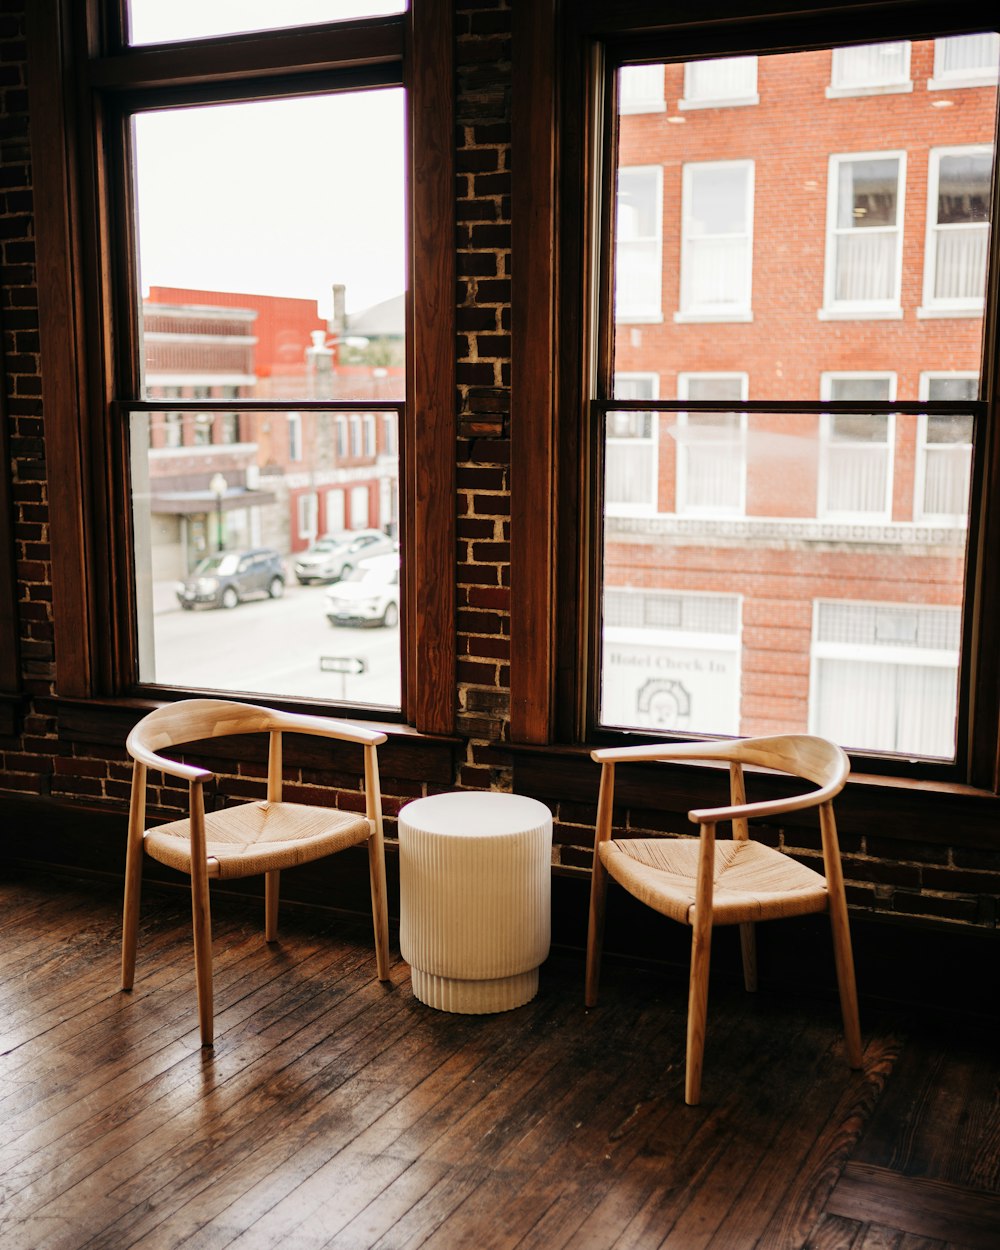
[(475, 898)]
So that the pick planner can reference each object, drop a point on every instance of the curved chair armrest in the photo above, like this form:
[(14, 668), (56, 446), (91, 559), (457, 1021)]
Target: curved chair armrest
[(187, 772), (325, 727), (655, 752), (776, 807)]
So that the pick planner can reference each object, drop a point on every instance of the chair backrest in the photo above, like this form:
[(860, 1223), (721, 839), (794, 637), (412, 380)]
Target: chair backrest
[(192, 720), (800, 755)]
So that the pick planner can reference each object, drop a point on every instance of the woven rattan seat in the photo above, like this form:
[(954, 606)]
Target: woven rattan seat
[(703, 881), (247, 839)]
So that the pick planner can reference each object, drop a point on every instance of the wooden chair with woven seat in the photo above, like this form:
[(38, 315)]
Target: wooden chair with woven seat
[(247, 839), (702, 882)]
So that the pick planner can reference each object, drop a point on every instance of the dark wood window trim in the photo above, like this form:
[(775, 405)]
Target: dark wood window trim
[(550, 513), (10, 668), (84, 474)]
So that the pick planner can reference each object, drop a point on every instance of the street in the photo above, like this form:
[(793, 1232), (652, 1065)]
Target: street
[(273, 646)]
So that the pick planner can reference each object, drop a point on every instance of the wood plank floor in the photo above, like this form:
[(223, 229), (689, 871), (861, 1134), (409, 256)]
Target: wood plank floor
[(338, 1112)]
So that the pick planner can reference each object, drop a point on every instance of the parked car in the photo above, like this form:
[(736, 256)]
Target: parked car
[(336, 555), (368, 595), (227, 578)]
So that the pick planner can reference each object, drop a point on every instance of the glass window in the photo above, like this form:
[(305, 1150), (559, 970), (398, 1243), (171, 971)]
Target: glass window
[(640, 89), (965, 61), (870, 67), (638, 218), (856, 464), (958, 231), (630, 448), (865, 236), (728, 80), (717, 246), (152, 21), (711, 447)]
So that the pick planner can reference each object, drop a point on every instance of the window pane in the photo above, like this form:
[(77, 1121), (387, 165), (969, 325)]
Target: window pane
[(871, 65), (867, 194), (261, 277), (964, 188), (240, 527), (153, 21), (727, 78)]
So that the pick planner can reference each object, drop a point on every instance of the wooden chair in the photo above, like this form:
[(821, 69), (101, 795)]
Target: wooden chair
[(245, 839), (701, 882)]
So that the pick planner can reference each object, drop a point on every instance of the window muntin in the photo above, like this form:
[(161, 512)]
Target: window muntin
[(152, 21), (865, 238), (869, 68), (729, 81), (958, 231), (638, 242), (965, 61), (717, 246)]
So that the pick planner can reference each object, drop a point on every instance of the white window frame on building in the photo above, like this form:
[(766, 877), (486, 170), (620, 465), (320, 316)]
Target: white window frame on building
[(638, 252), (876, 677), (840, 238), (954, 457), (389, 434), (335, 511), (719, 443), (967, 241), (847, 450), (360, 505), (294, 420), (369, 435), (640, 89), (965, 61), (709, 260), (631, 450), (723, 82), (662, 662), (307, 514), (870, 69)]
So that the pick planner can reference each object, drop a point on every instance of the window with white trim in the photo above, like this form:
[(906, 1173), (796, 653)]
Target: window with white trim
[(308, 514), (717, 241), (870, 69), (630, 449), (944, 451), (856, 449), (638, 244), (958, 232), (294, 420), (864, 234), (711, 447), (884, 676), (725, 81), (360, 518), (640, 89), (965, 61)]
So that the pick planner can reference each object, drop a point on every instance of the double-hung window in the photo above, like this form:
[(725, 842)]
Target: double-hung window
[(944, 455), (958, 230), (865, 234), (717, 240), (711, 447), (725, 81), (965, 61), (631, 470), (638, 272), (870, 68), (856, 461)]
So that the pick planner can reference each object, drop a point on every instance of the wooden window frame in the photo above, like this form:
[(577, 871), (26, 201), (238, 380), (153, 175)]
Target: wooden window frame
[(78, 71), (559, 53)]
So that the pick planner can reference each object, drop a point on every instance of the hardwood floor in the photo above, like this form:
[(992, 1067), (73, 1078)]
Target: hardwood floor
[(339, 1112)]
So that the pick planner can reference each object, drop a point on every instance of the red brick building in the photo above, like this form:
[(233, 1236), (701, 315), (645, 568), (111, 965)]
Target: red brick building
[(796, 228)]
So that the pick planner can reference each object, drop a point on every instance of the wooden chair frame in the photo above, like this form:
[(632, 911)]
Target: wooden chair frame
[(804, 756), (195, 720)]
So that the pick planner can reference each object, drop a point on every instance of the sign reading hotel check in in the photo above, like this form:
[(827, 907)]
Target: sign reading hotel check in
[(666, 685)]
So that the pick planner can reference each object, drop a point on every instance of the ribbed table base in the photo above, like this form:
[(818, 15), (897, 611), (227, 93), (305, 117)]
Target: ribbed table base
[(473, 998)]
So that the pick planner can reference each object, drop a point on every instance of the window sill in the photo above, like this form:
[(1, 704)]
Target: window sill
[(860, 314), (653, 106), (893, 88), (928, 312), (736, 102), (960, 83), (695, 318), (638, 319)]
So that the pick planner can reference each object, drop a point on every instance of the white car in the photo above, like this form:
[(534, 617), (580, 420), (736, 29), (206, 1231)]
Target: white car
[(369, 595), (337, 554)]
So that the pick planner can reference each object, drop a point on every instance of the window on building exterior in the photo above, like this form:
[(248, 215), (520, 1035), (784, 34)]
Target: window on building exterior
[(640, 89), (965, 61), (958, 231), (294, 436), (638, 276), (711, 447), (728, 80), (870, 68), (717, 247), (865, 236), (308, 512), (832, 509), (152, 21)]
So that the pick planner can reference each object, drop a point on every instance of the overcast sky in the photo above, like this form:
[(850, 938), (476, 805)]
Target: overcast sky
[(279, 197)]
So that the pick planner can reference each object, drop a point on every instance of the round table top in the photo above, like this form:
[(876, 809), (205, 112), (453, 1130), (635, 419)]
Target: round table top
[(475, 813)]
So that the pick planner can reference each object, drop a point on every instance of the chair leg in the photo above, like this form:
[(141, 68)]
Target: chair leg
[(380, 914), (844, 960), (133, 873), (272, 892), (202, 922), (748, 949), (701, 950), (595, 930)]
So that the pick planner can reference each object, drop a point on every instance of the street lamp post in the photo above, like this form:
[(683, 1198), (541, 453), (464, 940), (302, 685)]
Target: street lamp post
[(218, 486)]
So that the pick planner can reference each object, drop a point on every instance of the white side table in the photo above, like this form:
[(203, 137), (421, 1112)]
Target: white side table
[(475, 897)]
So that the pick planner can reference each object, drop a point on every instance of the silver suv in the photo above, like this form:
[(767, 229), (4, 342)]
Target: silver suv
[(225, 579), (333, 557)]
